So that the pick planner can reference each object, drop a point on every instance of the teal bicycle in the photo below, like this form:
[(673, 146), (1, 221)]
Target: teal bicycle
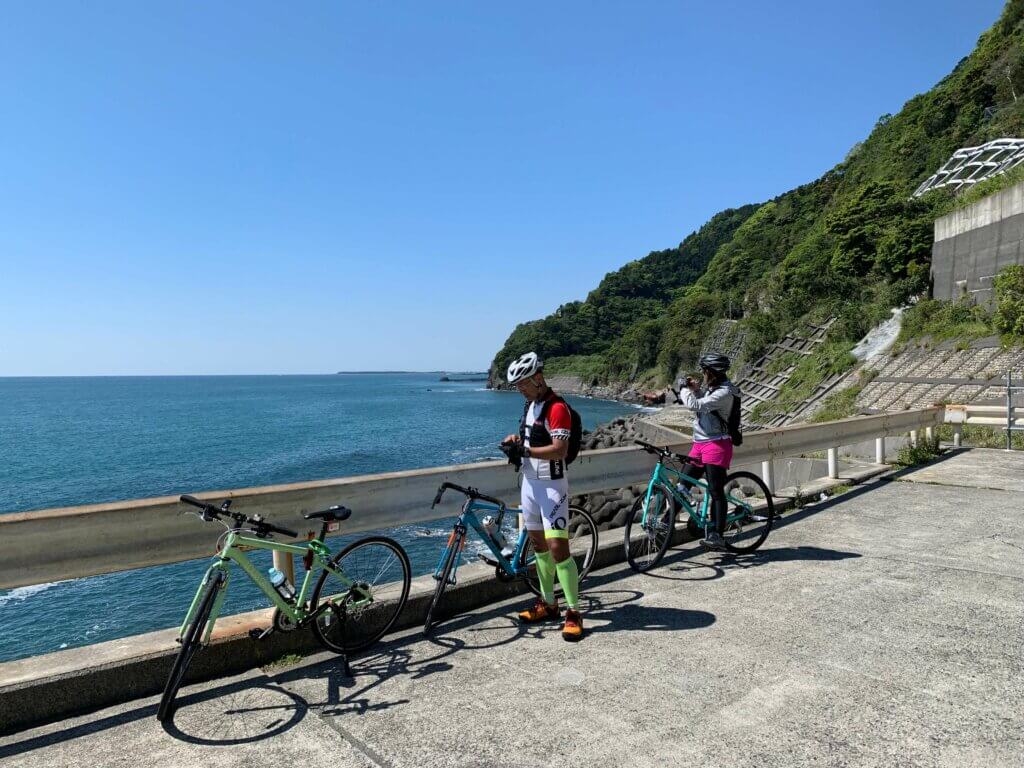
[(652, 521), (358, 597), (510, 563)]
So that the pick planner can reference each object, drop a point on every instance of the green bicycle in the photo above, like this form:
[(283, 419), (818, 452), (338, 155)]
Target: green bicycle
[(652, 521), (358, 597)]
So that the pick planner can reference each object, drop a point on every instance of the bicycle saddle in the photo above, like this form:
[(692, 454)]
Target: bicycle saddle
[(331, 514)]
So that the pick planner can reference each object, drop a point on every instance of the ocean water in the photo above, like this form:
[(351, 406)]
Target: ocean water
[(71, 441)]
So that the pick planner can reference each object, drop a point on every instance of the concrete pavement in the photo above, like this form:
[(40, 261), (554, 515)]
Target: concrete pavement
[(882, 628)]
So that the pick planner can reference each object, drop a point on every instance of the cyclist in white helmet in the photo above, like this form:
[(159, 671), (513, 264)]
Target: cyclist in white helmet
[(544, 442)]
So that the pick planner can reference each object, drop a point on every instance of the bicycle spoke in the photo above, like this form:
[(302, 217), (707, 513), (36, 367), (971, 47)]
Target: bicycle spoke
[(365, 588), (649, 529)]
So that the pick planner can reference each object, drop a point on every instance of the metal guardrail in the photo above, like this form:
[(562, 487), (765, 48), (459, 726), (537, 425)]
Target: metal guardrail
[(999, 416), (72, 542)]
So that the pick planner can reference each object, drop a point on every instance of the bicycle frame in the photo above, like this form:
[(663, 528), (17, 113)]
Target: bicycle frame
[(701, 516), (468, 519), (233, 553)]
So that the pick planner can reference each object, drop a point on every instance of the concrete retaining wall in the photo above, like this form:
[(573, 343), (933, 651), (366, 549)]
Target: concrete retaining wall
[(973, 244)]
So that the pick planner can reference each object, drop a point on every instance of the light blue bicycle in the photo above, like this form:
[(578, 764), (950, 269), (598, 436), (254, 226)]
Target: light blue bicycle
[(509, 563)]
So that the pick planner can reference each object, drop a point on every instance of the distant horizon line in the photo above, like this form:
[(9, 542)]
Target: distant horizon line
[(213, 375)]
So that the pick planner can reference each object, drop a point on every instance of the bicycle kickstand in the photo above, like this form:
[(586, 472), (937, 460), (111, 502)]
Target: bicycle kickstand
[(260, 634)]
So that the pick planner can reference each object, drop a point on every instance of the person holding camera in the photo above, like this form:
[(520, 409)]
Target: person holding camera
[(712, 401)]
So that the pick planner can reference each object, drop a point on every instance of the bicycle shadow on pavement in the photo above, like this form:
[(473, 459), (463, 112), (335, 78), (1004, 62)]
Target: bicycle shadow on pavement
[(240, 712), (684, 565)]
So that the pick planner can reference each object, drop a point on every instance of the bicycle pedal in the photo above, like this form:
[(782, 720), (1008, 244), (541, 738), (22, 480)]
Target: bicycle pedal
[(260, 634), (487, 558)]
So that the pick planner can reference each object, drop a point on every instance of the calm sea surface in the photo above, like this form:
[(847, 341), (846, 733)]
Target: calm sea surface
[(70, 441)]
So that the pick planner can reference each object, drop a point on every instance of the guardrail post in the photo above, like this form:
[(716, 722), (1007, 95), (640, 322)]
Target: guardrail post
[(879, 450), (768, 474), (1009, 411), (833, 463), (913, 438), (285, 563), (957, 432), (929, 434)]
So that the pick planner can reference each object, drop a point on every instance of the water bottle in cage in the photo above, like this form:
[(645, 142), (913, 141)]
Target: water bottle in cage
[(279, 582), (490, 524), (685, 492)]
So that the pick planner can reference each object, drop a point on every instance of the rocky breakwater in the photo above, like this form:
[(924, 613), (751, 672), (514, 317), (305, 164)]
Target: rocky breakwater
[(621, 431), (611, 508), (568, 384)]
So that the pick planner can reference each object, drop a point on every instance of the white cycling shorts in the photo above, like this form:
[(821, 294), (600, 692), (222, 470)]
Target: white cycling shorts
[(546, 507)]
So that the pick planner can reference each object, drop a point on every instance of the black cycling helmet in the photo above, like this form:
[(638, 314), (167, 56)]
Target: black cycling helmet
[(715, 362)]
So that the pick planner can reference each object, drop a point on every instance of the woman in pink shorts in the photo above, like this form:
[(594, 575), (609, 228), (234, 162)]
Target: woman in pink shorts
[(711, 402)]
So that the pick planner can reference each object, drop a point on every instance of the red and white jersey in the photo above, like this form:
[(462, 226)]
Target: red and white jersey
[(557, 425)]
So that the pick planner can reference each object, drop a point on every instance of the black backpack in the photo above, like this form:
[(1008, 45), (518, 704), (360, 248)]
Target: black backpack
[(732, 426), (575, 431)]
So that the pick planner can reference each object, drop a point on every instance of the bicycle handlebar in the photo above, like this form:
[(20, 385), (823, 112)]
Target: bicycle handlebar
[(651, 448), (665, 453), (211, 512), (472, 493)]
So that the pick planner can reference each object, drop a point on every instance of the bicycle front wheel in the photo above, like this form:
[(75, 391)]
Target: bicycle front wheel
[(454, 546), (649, 528), (364, 597), (582, 546), (190, 642), (750, 512)]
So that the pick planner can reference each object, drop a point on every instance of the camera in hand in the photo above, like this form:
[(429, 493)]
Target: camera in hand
[(514, 451)]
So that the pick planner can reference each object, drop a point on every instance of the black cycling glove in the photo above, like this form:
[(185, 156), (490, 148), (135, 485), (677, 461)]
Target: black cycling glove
[(514, 451)]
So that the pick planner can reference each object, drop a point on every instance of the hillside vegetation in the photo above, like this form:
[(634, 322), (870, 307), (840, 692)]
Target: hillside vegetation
[(851, 244)]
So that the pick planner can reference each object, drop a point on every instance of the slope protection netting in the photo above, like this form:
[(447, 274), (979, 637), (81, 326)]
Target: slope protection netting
[(970, 165)]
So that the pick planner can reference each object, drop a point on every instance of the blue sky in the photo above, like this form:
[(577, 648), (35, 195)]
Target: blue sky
[(304, 188)]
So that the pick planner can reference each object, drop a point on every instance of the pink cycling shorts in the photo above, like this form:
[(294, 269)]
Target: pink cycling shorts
[(718, 452)]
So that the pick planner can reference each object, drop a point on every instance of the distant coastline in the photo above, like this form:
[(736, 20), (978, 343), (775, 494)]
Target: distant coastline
[(379, 373)]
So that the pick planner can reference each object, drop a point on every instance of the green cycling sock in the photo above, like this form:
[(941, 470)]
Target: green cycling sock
[(546, 576), (569, 578)]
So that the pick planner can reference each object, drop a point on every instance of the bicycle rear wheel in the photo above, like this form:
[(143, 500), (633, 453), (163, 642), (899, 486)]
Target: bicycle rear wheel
[(750, 512), (583, 538), (649, 528), (454, 546), (190, 642), (359, 614)]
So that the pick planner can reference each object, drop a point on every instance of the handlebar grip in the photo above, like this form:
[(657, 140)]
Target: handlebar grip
[(283, 531), (193, 501)]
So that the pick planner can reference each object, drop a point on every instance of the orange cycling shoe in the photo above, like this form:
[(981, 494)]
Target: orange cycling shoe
[(572, 629), (539, 611)]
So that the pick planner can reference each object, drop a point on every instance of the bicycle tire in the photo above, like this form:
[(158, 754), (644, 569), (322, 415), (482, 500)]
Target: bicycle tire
[(767, 514), (383, 624), (449, 562), (654, 548), (576, 514), (190, 642)]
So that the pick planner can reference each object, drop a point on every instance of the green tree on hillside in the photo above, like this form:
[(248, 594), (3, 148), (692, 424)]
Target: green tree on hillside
[(851, 244)]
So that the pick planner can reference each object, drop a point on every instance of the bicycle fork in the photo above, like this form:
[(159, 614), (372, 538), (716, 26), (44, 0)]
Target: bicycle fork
[(458, 534)]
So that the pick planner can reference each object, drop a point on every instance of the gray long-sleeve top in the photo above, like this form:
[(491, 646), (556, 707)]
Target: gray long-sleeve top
[(711, 410)]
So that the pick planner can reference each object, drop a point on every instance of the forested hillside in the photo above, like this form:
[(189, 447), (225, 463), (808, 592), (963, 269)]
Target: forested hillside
[(626, 308), (851, 244)]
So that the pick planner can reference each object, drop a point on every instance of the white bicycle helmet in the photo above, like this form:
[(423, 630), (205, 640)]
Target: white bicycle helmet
[(524, 367)]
